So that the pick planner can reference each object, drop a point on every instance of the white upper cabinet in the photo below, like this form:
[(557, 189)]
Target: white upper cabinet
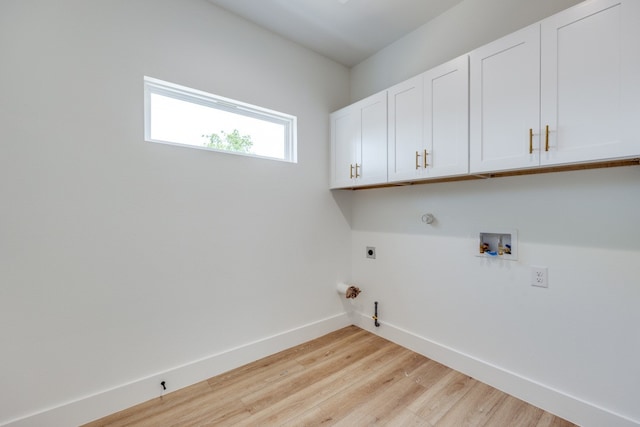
[(345, 135), (446, 119), (590, 87), (563, 91), (505, 102), (428, 123), (359, 143), (405, 130)]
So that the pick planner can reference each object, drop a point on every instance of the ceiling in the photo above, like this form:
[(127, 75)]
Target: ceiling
[(347, 31)]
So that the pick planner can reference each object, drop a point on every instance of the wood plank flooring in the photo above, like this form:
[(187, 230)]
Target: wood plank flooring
[(347, 378)]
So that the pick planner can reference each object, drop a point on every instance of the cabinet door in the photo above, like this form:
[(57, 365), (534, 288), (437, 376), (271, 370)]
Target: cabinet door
[(590, 82), (371, 153), (446, 118), (505, 102), (359, 143), (405, 130), (345, 135)]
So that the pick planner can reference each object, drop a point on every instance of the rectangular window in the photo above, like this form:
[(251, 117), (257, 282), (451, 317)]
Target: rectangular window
[(176, 114)]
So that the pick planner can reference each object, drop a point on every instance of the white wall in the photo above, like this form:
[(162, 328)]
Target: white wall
[(121, 259), (577, 338), (571, 348)]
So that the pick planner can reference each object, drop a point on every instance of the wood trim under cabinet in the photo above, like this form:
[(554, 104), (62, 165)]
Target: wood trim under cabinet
[(533, 171)]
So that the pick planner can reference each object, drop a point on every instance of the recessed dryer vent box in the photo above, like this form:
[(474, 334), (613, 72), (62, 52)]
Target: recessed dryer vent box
[(501, 244)]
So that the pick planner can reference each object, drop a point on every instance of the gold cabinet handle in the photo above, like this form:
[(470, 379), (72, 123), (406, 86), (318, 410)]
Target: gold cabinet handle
[(546, 138), (530, 141), (417, 163), (350, 171), (357, 174), (424, 159)]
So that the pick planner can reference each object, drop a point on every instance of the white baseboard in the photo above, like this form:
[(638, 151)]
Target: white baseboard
[(110, 401), (124, 396), (561, 404)]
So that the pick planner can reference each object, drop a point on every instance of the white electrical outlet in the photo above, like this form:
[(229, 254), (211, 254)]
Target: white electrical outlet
[(539, 277)]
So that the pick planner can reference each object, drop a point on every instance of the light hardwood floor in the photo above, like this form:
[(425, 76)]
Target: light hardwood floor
[(346, 378)]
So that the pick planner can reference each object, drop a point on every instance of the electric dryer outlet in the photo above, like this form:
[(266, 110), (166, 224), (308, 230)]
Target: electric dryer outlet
[(371, 252)]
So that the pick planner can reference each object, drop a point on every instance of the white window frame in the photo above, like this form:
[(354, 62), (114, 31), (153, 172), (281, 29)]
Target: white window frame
[(195, 96)]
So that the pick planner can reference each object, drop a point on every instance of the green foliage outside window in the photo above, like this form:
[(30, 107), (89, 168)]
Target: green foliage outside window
[(229, 141)]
